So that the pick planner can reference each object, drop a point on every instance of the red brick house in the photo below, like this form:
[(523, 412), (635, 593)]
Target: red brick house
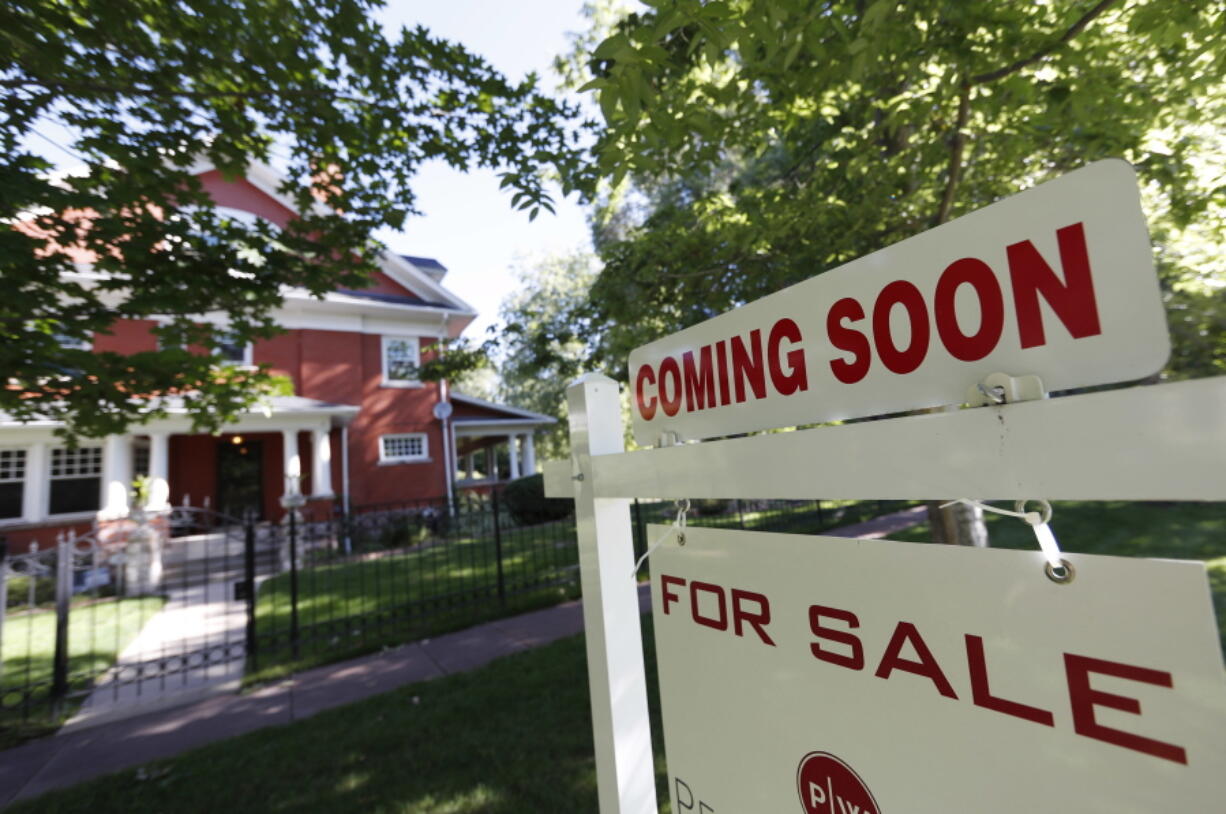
[(358, 431)]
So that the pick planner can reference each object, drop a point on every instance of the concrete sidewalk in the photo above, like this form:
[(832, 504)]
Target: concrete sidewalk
[(77, 755)]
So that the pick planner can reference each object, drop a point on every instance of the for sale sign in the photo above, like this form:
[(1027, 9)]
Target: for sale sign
[(835, 676), (1057, 281)]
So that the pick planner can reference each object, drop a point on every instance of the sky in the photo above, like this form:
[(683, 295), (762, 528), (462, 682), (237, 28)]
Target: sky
[(467, 223)]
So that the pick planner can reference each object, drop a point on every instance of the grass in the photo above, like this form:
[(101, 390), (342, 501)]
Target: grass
[(98, 631), (385, 597), (512, 737)]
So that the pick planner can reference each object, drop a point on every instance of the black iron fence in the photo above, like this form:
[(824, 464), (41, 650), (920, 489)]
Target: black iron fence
[(194, 600)]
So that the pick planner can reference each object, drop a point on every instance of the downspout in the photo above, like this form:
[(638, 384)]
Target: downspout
[(345, 483), (443, 389)]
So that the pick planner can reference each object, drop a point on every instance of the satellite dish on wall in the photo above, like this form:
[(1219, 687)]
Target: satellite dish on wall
[(442, 410)]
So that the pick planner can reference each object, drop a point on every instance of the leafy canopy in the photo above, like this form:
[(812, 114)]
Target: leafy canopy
[(749, 144), (147, 89)]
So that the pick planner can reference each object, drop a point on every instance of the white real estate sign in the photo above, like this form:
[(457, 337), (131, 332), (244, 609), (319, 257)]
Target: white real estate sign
[(836, 676), (1057, 281)]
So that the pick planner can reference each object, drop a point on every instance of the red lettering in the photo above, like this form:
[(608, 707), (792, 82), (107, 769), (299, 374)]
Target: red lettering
[(667, 597), (719, 622), (853, 660), (700, 382), (647, 409), (670, 368), (1083, 698), (758, 621), (901, 292), (746, 369), (978, 275), (852, 341), (1072, 299), (797, 377), (981, 692), (926, 666), (721, 356)]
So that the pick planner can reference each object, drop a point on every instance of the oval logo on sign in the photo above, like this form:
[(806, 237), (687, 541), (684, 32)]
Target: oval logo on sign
[(827, 785)]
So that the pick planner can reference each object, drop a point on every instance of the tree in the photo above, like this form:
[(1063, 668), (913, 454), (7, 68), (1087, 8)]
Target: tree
[(544, 344), (764, 141), (147, 89)]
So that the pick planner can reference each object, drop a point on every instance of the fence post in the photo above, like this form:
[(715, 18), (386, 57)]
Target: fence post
[(502, 583), (640, 532), (63, 594), (4, 596), (249, 568), (617, 681), (293, 581)]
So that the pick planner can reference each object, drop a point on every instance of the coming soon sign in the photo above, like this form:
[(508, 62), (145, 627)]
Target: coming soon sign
[(1057, 281), (791, 680)]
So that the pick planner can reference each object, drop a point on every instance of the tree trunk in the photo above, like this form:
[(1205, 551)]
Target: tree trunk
[(958, 524)]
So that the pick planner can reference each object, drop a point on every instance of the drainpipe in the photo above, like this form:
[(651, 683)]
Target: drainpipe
[(345, 483), (444, 414)]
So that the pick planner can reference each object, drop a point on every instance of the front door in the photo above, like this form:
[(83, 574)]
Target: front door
[(240, 482)]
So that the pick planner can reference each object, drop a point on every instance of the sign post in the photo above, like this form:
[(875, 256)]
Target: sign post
[(621, 728)]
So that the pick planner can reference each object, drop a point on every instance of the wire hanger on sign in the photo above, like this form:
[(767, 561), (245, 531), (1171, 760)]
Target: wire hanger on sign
[(1058, 569), (683, 507)]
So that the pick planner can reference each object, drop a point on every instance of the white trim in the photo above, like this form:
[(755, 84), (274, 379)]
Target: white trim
[(386, 340), (517, 412), (424, 456)]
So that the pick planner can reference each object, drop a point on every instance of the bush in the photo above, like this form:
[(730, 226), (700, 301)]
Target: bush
[(525, 500)]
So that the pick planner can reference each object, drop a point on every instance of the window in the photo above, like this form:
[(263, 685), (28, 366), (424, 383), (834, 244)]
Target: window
[(76, 480), (233, 351), (12, 482), (401, 356), (398, 448)]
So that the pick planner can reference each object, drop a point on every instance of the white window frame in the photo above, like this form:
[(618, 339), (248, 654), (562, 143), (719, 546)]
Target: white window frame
[(248, 355), (52, 478), (384, 458), (386, 340), (23, 480)]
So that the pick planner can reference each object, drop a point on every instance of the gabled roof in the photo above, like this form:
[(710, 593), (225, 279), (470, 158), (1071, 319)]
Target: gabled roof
[(419, 275), (491, 412)]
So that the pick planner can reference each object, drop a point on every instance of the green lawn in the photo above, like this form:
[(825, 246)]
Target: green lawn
[(97, 632), (357, 605)]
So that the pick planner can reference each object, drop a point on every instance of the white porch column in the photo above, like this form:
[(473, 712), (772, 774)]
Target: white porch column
[(159, 472), (292, 462), (491, 463), (116, 475), (511, 439), (34, 494), (470, 465), (529, 455), (321, 463)]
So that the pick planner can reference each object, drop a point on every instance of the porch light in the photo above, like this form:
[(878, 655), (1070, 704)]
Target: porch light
[(236, 439)]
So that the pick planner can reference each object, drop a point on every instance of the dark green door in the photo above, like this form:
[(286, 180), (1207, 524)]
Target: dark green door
[(240, 483)]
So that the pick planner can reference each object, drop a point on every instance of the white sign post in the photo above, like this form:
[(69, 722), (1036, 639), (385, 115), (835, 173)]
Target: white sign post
[(1051, 289)]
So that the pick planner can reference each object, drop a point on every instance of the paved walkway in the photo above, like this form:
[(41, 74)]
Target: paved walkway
[(208, 660), (76, 755)]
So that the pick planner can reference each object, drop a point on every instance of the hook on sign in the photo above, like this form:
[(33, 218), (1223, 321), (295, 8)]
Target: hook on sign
[(1058, 569), (683, 508)]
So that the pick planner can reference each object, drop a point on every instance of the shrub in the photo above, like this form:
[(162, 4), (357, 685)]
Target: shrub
[(525, 500)]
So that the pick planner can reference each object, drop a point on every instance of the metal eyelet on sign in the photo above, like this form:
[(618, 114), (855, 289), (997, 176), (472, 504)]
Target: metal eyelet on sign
[(1061, 574)]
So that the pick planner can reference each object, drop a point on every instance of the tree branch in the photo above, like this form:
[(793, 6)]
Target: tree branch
[(93, 87), (1073, 31), (957, 145)]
